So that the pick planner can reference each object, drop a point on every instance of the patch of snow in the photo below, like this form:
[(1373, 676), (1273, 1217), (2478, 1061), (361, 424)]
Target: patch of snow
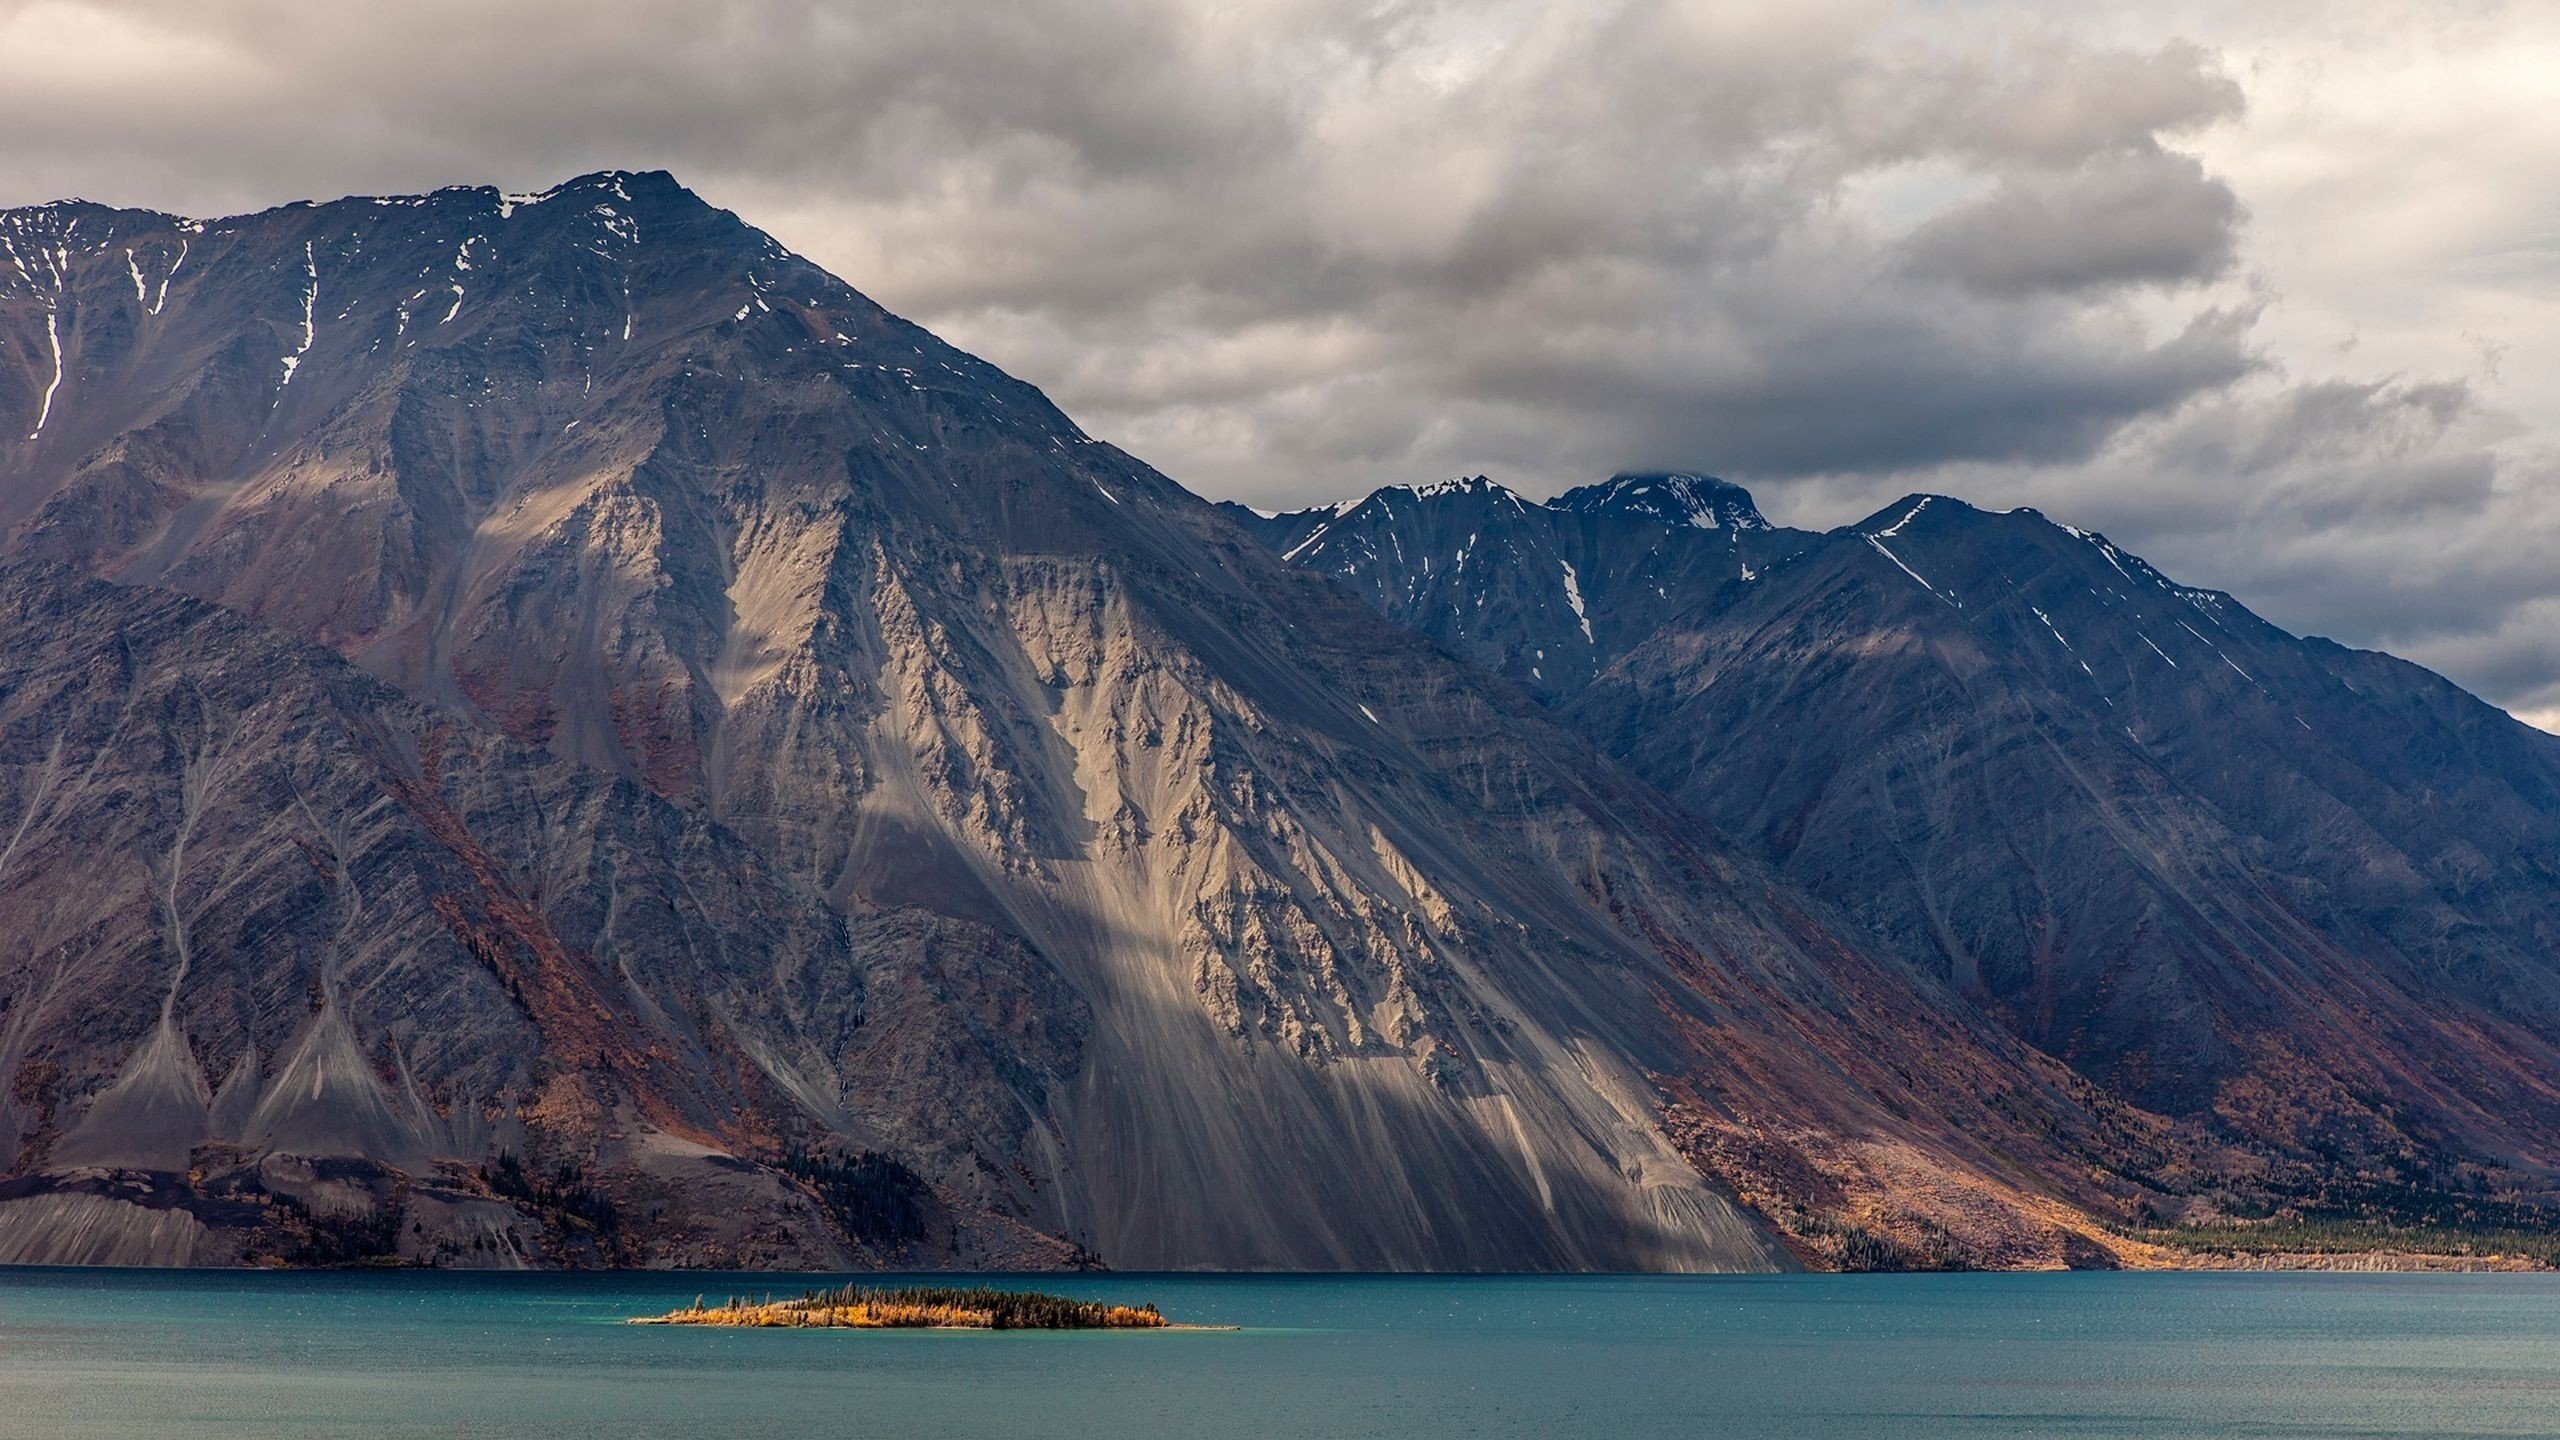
[(2057, 634), (1312, 537), (2105, 546), (2217, 650), (1914, 574), (163, 297), (2115, 558), (1573, 597), (1908, 516), (2156, 650), (310, 300), (53, 338)]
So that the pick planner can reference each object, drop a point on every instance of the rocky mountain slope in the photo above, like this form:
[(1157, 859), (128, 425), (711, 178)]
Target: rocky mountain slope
[(289, 952), (2301, 895), (1090, 881)]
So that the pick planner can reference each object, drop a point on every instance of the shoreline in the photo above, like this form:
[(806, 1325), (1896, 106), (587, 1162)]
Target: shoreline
[(2210, 1262)]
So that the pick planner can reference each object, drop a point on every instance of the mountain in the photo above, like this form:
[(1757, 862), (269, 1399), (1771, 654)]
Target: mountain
[(2301, 895), (808, 802)]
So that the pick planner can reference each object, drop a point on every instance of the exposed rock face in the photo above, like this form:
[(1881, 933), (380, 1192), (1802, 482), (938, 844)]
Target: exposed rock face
[(1134, 890), (2301, 894)]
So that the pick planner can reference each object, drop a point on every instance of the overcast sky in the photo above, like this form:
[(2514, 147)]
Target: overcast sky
[(2269, 291)]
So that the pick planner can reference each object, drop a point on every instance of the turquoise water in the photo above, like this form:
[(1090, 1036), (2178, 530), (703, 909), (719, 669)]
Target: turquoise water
[(161, 1354)]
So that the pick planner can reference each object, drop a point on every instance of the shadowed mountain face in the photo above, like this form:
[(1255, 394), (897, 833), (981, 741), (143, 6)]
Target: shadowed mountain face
[(1122, 886), (2304, 894)]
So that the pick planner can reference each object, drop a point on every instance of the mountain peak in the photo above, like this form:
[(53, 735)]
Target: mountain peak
[(1465, 485), (629, 186), (1919, 516), (1894, 518), (1675, 498)]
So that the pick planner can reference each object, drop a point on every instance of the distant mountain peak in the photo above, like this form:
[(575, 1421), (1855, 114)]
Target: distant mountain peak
[(1917, 508), (1675, 498), (1918, 515), (628, 186), (1465, 485)]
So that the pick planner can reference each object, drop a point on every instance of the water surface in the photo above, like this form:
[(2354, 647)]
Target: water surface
[(199, 1353)]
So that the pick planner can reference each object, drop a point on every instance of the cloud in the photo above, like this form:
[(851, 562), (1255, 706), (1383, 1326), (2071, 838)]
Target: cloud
[(1295, 247), (2143, 218)]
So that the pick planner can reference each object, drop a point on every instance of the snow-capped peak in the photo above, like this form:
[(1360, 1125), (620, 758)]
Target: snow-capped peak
[(1675, 498), (1466, 485)]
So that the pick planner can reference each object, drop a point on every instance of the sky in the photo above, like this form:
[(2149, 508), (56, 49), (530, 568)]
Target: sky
[(2268, 292)]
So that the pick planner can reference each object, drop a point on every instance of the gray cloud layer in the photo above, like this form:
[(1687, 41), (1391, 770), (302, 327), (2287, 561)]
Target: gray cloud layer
[(1289, 249)]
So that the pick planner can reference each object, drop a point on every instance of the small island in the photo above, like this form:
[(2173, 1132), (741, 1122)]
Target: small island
[(920, 1307)]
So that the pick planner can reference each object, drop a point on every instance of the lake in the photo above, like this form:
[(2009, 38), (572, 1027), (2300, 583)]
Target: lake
[(205, 1353)]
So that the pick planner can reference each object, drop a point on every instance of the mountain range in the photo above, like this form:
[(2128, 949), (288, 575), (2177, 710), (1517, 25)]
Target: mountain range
[(546, 729), (2299, 894)]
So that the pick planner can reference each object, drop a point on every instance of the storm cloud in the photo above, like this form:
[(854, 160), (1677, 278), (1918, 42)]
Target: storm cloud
[(2116, 220), (2103, 260)]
